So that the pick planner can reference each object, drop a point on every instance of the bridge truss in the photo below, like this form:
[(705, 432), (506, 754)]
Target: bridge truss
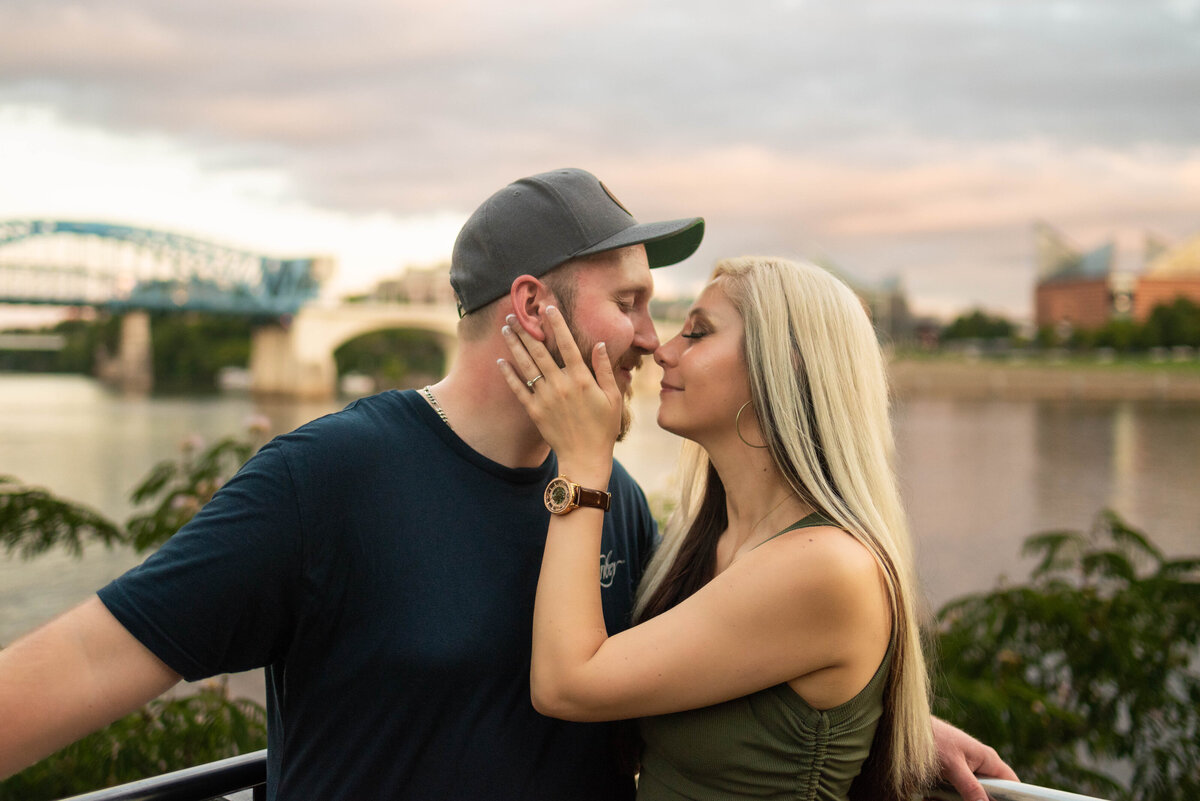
[(64, 263)]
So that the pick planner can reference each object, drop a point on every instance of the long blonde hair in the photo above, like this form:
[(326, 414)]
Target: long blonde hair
[(818, 385)]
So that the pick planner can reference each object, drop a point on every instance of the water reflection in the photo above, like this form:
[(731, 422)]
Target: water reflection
[(978, 477)]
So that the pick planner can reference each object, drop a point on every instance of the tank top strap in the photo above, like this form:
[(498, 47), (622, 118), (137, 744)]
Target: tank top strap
[(809, 521)]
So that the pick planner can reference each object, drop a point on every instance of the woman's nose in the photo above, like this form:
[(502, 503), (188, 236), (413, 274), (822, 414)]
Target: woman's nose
[(662, 353)]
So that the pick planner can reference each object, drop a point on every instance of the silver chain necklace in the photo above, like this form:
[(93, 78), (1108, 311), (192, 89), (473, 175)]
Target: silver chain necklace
[(437, 407)]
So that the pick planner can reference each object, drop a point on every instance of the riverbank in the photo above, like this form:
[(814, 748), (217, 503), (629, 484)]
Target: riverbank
[(989, 379)]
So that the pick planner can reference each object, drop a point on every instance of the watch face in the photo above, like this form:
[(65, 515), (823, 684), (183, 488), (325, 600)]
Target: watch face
[(558, 496)]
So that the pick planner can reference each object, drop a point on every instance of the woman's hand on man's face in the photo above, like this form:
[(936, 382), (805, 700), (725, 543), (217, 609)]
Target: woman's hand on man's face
[(578, 415)]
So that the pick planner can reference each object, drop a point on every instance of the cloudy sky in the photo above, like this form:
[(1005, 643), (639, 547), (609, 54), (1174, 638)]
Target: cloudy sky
[(912, 138)]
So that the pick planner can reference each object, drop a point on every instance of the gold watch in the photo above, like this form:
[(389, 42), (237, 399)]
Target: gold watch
[(563, 495)]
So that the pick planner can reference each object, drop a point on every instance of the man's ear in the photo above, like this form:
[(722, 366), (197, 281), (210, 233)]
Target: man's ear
[(530, 297)]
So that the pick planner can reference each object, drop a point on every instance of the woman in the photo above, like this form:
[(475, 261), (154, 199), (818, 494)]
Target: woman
[(777, 641)]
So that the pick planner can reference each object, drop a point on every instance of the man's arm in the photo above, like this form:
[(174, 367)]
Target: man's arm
[(961, 757), (68, 678)]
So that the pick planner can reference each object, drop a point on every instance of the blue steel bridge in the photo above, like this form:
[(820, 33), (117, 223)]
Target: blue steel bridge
[(121, 268), (133, 272)]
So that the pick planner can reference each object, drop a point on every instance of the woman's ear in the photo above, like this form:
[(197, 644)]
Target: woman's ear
[(530, 297)]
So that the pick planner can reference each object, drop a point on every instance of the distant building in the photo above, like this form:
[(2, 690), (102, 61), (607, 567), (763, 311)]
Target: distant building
[(1084, 290), (887, 304), (415, 285), (1172, 274), (1074, 289)]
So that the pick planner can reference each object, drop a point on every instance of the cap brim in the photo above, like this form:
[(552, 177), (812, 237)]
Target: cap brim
[(666, 243)]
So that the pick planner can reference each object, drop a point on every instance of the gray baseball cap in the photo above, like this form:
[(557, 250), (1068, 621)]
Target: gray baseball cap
[(535, 224)]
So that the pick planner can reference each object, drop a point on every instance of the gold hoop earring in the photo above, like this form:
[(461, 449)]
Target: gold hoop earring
[(737, 426)]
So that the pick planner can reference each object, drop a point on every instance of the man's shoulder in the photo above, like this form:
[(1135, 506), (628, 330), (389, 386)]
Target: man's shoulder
[(622, 479), (367, 430), (364, 420), (627, 494)]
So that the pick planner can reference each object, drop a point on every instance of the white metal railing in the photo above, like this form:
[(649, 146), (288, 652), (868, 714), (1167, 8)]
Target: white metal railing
[(242, 777), (1000, 790)]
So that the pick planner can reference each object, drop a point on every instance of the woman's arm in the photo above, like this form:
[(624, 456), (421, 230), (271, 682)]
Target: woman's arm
[(779, 613)]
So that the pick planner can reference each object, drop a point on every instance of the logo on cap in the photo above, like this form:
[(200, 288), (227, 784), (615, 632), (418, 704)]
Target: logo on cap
[(613, 198)]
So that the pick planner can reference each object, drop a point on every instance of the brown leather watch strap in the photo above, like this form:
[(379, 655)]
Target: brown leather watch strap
[(594, 499)]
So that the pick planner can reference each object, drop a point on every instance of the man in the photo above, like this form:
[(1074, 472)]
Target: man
[(381, 562)]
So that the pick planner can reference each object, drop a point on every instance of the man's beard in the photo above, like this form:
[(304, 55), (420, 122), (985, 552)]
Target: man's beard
[(586, 346)]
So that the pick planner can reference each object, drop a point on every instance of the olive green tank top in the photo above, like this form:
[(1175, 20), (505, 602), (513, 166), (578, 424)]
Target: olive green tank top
[(769, 744)]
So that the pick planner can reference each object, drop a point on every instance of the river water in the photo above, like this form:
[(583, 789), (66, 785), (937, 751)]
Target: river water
[(977, 476)]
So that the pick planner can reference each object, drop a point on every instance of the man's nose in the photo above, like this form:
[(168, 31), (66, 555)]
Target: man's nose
[(645, 338)]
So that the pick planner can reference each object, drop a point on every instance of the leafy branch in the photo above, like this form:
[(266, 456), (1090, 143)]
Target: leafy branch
[(182, 486), (167, 734), (33, 521), (1089, 672)]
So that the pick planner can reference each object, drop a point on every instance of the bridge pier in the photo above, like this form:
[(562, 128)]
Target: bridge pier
[(132, 369), (277, 368)]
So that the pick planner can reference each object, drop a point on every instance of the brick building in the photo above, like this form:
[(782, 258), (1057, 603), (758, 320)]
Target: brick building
[(1083, 290), (1172, 274)]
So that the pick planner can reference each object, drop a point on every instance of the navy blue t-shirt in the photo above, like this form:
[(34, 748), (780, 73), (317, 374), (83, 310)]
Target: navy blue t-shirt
[(384, 574)]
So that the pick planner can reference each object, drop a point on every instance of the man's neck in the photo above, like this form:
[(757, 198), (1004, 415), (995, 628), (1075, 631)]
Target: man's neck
[(483, 412)]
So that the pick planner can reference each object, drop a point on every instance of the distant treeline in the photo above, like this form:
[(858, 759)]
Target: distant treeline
[(187, 349), (83, 340), (1169, 325), (394, 358)]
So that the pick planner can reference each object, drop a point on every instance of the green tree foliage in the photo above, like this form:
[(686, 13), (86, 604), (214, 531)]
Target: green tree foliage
[(32, 521), (977, 324), (1169, 325), (395, 358), (190, 349), (182, 486), (1172, 324), (1090, 671), (1122, 336), (83, 339), (1046, 337), (169, 733)]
